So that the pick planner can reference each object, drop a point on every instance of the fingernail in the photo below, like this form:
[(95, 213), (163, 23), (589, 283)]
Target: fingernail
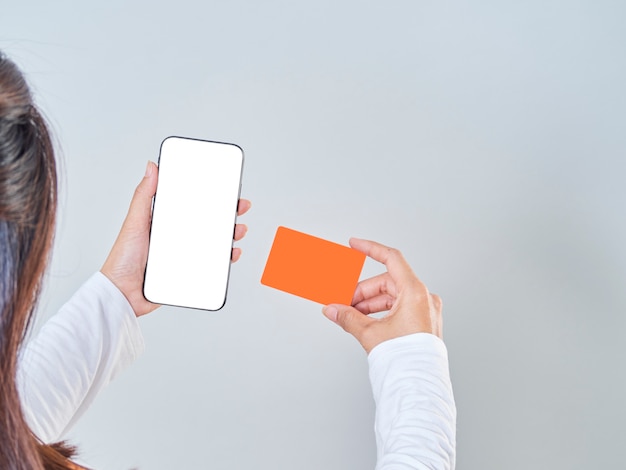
[(330, 313), (149, 169)]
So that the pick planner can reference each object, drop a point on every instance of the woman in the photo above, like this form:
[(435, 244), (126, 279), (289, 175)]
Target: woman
[(27, 210), (96, 334)]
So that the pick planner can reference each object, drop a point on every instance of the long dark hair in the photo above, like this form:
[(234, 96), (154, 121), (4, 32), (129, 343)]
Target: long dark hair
[(28, 201)]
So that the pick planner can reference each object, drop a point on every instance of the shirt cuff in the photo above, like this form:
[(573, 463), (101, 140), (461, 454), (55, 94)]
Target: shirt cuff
[(120, 303)]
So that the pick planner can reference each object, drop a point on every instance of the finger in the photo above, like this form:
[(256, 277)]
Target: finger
[(437, 303), (243, 206), (140, 210), (235, 255), (397, 266), (240, 232), (436, 317), (380, 303), (373, 287), (350, 319)]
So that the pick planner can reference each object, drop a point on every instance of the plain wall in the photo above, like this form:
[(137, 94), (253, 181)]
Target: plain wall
[(484, 139)]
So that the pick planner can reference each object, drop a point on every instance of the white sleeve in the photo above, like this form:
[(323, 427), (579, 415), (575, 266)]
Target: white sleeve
[(75, 355), (415, 411)]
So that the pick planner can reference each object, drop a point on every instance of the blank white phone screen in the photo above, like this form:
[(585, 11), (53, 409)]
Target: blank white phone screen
[(193, 220)]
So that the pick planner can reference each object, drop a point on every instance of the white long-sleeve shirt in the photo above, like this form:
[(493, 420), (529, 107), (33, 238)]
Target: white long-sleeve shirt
[(75, 355), (415, 411), (96, 335)]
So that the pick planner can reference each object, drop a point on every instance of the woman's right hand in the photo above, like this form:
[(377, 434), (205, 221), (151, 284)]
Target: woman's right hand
[(412, 308)]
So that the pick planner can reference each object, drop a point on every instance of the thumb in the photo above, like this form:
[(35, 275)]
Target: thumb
[(140, 210), (349, 318)]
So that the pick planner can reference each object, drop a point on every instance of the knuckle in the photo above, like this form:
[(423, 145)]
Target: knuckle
[(417, 286), (343, 319), (139, 192)]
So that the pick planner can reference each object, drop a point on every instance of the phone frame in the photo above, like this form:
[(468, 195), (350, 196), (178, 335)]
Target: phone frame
[(163, 301)]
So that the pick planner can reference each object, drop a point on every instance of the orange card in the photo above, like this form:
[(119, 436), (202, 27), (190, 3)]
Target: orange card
[(312, 268)]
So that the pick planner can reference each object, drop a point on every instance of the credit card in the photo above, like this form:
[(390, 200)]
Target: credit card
[(312, 268)]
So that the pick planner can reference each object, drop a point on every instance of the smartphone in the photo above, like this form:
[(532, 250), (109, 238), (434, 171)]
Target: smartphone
[(193, 221)]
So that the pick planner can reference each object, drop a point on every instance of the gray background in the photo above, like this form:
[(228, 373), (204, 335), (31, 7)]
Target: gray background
[(485, 139)]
